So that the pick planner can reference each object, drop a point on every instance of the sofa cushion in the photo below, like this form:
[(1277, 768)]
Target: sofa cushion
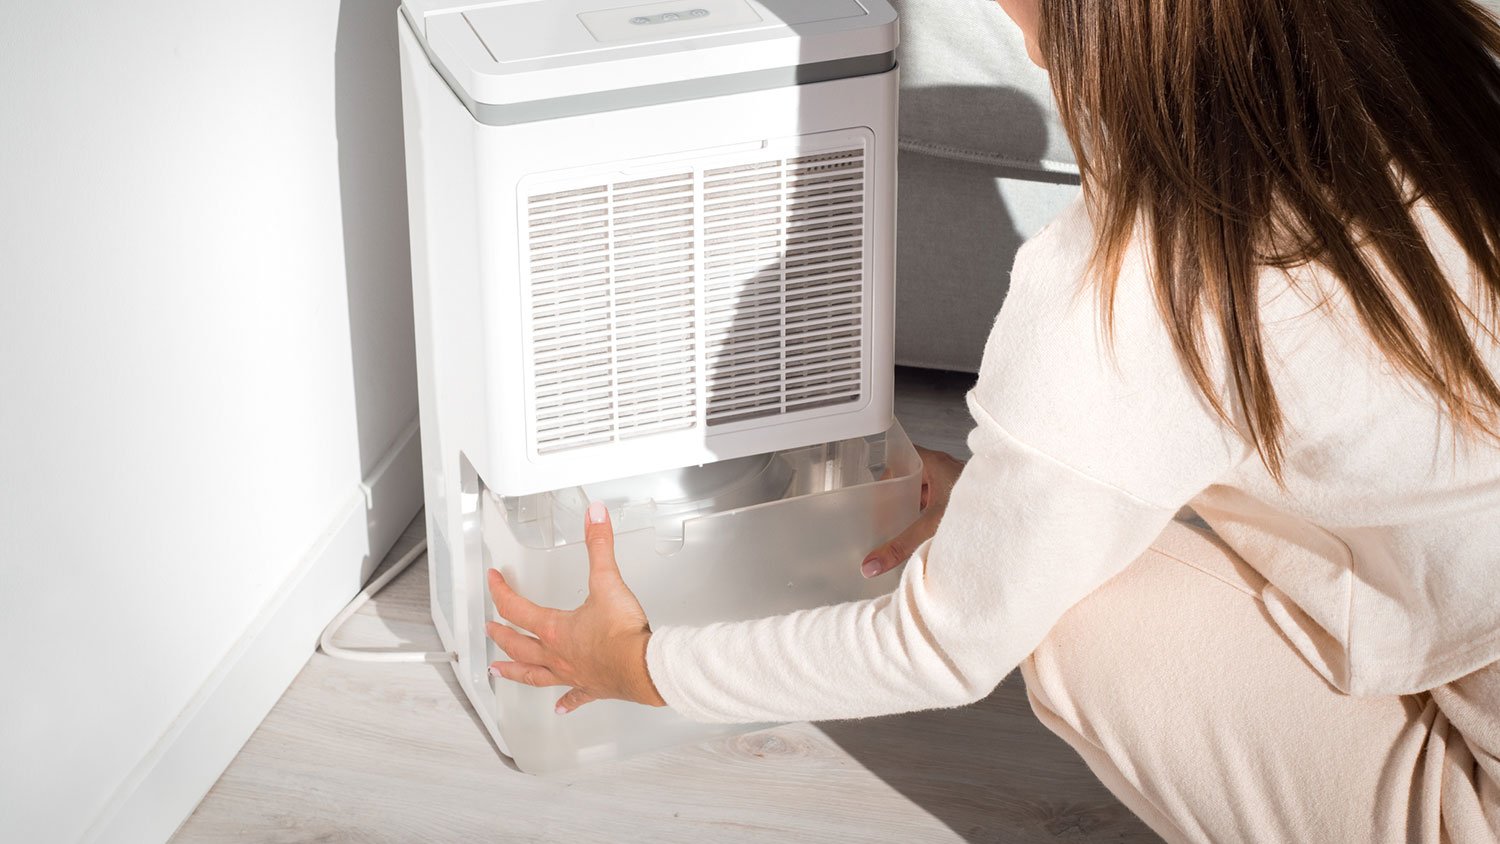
[(968, 90)]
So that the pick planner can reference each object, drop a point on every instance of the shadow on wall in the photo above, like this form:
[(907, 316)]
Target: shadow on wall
[(377, 262), (957, 220)]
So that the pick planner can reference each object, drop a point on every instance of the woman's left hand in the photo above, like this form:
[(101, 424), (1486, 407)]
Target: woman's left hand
[(599, 649)]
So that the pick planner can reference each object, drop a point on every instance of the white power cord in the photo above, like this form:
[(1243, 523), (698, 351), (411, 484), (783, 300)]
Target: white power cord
[(325, 642)]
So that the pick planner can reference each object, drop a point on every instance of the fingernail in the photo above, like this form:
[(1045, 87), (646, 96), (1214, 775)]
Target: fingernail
[(494, 672), (870, 567), (561, 710), (597, 513)]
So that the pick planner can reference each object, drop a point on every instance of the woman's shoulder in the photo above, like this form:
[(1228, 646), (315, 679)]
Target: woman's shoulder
[(1061, 249), (1088, 383), (1054, 294)]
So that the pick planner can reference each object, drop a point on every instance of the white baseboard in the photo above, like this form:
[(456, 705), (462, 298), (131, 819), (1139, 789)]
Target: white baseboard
[(393, 493), (167, 784)]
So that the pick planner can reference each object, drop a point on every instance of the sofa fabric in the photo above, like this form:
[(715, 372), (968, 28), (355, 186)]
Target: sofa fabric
[(969, 92), (984, 164)]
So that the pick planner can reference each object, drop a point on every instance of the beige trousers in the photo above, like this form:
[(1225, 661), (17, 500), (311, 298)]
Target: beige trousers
[(1181, 694)]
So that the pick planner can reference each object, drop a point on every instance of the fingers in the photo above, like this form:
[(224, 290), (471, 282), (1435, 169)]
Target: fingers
[(599, 535), (525, 673), (900, 549), (940, 470), (925, 456), (513, 608), (572, 700), (517, 645)]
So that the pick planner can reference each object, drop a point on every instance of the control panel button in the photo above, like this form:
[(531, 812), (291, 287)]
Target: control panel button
[(668, 17)]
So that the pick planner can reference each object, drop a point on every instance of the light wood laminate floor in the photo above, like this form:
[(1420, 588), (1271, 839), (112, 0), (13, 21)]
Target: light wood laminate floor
[(391, 753)]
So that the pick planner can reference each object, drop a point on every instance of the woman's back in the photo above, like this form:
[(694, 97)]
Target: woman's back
[(1366, 445), (1381, 540), (1386, 532)]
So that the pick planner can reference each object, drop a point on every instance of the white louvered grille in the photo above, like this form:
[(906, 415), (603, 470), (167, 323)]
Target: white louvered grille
[(656, 384), (784, 284), (615, 278), (613, 311)]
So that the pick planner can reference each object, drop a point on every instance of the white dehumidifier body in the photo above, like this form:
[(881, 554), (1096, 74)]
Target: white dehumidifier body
[(653, 258)]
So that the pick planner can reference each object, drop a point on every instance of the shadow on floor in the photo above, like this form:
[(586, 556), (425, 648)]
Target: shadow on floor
[(990, 772)]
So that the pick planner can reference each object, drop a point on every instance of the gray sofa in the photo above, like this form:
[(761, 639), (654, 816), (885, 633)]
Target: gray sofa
[(983, 165)]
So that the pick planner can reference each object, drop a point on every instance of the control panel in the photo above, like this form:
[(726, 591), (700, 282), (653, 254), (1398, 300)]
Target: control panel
[(671, 19)]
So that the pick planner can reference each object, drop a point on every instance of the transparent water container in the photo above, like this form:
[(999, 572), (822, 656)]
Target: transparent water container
[(739, 539)]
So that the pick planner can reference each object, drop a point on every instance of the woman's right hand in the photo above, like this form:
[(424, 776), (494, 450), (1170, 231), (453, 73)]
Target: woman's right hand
[(939, 472)]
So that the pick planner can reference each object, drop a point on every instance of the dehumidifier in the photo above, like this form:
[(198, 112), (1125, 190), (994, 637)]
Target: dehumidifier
[(653, 256)]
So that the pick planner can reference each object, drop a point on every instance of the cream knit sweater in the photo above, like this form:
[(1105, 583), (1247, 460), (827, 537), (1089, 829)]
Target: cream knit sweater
[(1382, 551)]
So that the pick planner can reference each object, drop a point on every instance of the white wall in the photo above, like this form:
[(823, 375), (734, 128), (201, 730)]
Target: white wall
[(191, 387)]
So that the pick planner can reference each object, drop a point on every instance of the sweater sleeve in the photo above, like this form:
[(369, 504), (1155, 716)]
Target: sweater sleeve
[(1030, 528)]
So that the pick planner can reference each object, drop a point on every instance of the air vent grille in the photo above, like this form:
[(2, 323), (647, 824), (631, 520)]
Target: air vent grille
[(756, 269), (784, 284), (613, 310)]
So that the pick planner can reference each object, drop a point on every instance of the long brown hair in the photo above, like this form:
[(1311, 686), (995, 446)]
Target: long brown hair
[(1236, 135)]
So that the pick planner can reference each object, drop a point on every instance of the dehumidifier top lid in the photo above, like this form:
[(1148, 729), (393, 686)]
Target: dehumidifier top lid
[(514, 61)]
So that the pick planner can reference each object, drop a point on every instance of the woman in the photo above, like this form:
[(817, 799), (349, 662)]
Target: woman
[(1278, 304)]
